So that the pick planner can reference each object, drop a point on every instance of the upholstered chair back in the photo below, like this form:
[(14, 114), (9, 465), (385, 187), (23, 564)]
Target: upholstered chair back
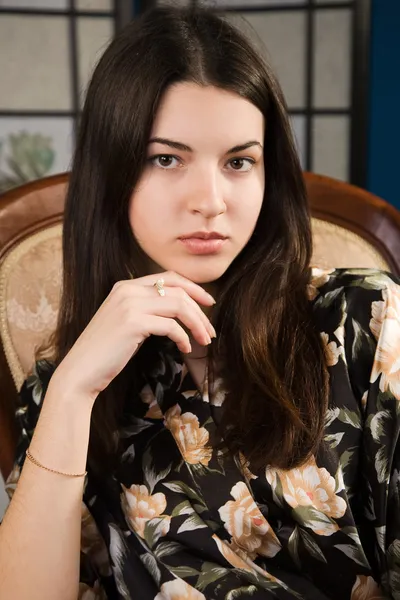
[(351, 228)]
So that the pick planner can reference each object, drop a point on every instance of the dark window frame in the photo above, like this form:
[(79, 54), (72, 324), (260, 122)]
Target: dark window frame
[(121, 13), (124, 10), (358, 111)]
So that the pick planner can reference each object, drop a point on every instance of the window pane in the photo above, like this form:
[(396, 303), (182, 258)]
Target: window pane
[(93, 37), (299, 130), (243, 4), (331, 143), (35, 68), (31, 148), (35, 4), (332, 59), (94, 5), (176, 2), (281, 38)]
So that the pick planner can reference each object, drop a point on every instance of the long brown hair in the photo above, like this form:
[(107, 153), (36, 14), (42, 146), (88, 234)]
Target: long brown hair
[(274, 367)]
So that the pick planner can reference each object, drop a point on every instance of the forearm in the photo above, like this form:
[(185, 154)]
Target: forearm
[(40, 534)]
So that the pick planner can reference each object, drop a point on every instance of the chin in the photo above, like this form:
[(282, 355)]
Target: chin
[(201, 273)]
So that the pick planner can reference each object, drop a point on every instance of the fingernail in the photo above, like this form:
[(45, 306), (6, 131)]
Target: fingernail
[(214, 333), (209, 340), (212, 299)]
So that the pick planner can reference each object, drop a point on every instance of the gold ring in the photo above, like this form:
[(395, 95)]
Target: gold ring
[(159, 285)]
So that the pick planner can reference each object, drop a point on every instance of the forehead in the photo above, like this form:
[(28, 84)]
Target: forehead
[(189, 112)]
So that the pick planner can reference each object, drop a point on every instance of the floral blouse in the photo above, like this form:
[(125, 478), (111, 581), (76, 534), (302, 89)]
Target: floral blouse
[(178, 520)]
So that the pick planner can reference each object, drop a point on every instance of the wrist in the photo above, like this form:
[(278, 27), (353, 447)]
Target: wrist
[(65, 393)]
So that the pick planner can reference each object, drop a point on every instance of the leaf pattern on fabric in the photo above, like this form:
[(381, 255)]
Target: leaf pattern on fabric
[(178, 520)]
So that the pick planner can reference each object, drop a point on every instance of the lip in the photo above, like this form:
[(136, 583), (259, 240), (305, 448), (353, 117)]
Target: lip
[(203, 246), (204, 235)]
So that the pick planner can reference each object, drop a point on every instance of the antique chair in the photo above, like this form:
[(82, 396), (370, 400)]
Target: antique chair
[(351, 227)]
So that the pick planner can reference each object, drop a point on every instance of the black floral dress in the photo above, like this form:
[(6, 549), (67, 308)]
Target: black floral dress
[(179, 520)]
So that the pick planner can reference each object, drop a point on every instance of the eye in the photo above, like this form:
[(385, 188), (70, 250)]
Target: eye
[(164, 161), (238, 164)]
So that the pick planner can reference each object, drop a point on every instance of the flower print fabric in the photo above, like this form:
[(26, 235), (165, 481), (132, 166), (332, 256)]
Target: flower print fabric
[(180, 520), (190, 438)]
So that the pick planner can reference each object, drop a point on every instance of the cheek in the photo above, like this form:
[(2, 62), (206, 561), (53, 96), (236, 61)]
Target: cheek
[(248, 206), (148, 210)]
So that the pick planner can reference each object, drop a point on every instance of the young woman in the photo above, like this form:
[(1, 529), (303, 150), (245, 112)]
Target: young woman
[(242, 410)]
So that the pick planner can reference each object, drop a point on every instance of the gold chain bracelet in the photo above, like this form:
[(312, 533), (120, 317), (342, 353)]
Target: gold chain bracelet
[(38, 464)]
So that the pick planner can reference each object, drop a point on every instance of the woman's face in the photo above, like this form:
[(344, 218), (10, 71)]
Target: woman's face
[(199, 181)]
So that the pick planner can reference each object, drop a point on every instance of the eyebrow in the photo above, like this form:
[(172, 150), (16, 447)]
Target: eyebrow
[(185, 148)]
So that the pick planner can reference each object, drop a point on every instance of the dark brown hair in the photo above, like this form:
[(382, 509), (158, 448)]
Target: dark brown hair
[(273, 367)]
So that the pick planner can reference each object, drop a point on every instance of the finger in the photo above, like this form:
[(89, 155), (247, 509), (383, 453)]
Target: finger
[(180, 295), (166, 327), (179, 306), (203, 317), (172, 279)]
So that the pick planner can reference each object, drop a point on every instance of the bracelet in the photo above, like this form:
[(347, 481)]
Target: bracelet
[(38, 464)]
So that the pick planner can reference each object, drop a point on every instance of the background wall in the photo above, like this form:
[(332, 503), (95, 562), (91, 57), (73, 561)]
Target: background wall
[(47, 52), (384, 128), (48, 49), (309, 45)]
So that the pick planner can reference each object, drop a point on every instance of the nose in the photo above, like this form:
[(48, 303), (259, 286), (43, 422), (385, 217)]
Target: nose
[(206, 195)]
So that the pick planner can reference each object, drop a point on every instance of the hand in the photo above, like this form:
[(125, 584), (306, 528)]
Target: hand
[(131, 313)]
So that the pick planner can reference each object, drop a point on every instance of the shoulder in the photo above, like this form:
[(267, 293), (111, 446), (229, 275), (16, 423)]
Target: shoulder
[(353, 293), (323, 280), (357, 312)]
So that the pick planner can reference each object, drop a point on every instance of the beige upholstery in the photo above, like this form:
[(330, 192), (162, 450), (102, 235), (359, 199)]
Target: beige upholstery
[(336, 247), (30, 279)]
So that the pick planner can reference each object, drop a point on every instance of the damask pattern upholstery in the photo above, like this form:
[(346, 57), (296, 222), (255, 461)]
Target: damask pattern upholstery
[(30, 283)]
